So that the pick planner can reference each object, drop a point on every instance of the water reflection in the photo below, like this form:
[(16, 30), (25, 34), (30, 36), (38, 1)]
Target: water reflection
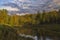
[(34, 37)]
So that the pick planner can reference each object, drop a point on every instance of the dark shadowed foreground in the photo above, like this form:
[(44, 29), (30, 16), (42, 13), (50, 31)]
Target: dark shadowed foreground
[(16, 33), (8, 33)]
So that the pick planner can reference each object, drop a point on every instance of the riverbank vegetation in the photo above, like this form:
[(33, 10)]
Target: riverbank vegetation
[(44, 24)]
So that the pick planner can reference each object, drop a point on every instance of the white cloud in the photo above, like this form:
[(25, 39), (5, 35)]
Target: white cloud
[(25, 6), (9, 8), (20, 0), (22, 14), (33, 5), (56, 0)]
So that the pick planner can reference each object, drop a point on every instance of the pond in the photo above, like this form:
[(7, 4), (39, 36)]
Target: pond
[(34, 37)]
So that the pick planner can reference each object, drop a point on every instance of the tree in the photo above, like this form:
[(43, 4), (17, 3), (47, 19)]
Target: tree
[(3, 16)]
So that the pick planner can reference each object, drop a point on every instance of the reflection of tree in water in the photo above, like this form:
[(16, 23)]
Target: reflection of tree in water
[(37, 34), (8, 33), (40, 34)]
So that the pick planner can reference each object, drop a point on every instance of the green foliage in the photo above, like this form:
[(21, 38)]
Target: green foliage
[(52, 17), (47, 23)]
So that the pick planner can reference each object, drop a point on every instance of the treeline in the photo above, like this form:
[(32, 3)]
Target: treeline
[(47, 23), (52, 17)]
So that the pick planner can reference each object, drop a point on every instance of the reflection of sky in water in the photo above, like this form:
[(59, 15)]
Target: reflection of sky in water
[(33, 37)]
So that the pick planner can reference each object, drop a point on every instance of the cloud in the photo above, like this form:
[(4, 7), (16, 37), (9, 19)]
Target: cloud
[(31, 5), (56, 1), (19, 1), (28, 5), (10, 8)]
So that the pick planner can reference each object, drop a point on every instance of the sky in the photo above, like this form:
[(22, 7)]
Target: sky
[(31, 6), (22, 5)]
